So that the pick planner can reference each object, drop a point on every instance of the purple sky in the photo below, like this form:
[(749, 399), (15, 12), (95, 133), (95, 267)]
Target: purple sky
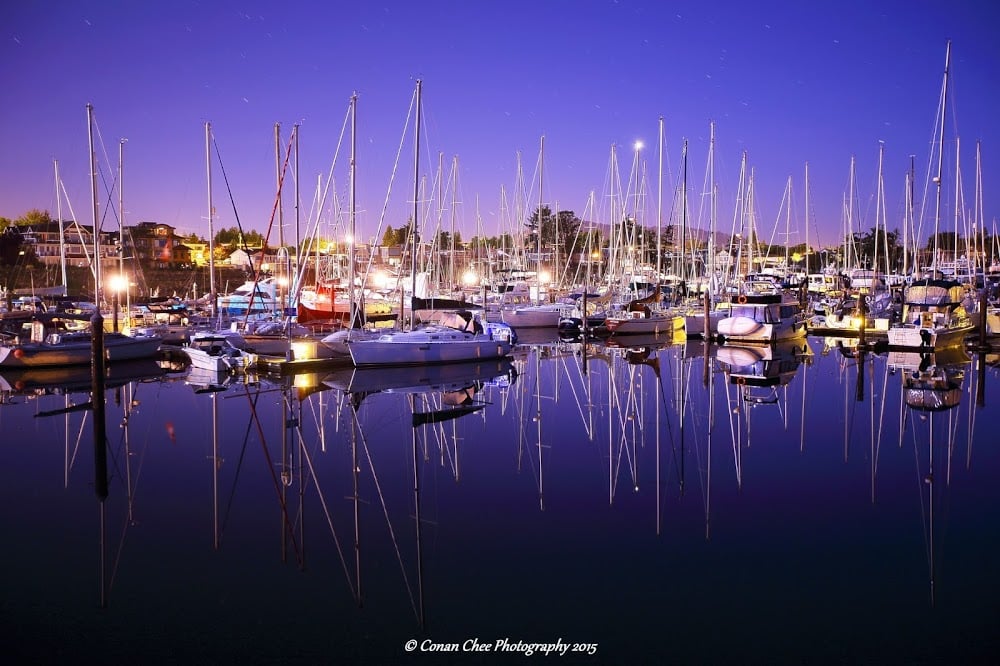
[(789, 82)]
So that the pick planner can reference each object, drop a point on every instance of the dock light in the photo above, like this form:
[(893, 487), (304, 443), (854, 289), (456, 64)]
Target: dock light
[(117, 284), (380, 279), (544, 276), (469, 278)]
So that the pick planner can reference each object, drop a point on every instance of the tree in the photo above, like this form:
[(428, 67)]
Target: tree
[(565, 223), (34, 217), (389, 237), (238, 239)]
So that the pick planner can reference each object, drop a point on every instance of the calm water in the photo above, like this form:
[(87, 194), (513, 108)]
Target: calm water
[(644, 501)]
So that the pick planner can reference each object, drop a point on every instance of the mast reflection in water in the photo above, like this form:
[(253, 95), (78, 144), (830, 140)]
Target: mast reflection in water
[(701, 503)]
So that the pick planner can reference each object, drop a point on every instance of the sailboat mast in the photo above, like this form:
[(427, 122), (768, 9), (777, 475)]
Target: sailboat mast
[(612, 242), (298, 239), (979, 221), (806, 196), (93, 204), (416, 202), (454, 205), (62, 240), (538, 236), (659, 200), (940, 160), (788, 224), (121, 230), (121, 212), (277, 180), (211, 211), (880, 215), (684, 214), (908, 218), (714, 211), (352, 209), (958, 198)]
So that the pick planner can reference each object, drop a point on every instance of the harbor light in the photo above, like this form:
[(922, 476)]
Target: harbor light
[(117, 284), (544, 277), (469, 278), (380, 279)]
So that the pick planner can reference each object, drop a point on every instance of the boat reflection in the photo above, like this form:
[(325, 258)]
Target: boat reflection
[(445, 378), (932, 381), (932, 386), (54, 380), (762, 367)]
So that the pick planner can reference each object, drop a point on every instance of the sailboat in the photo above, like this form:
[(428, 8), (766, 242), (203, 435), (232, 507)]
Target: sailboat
[(459, 336), (537, 314), (934, 315), (52, 339), (646, 316)]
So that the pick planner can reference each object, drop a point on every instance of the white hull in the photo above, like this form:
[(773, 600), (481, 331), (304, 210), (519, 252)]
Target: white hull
[(532, 316), (763, 319), (432, 344), (747, 329), (76, 349), (217, 353), (638, 323), (917, 337)]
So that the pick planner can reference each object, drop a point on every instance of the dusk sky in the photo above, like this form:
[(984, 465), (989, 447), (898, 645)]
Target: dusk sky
[(787, 82)]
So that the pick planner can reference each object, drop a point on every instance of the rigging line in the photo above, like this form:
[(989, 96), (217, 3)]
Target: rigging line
[(121, 541), (576, 398), (274, 212), (326, 513), (920, 487), (732, 430), (666, 413), (385, 512), (236, 478), (881, 417), (311, 237), (255, 420), (111, 192), (232, 201), (79, 438), (392, 179)]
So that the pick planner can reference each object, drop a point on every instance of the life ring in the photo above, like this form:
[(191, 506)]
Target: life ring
[(741, 380), (742, 299)]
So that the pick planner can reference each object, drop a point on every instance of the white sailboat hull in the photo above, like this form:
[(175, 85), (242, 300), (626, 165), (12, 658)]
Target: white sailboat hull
[(433, 344), (76, 349)]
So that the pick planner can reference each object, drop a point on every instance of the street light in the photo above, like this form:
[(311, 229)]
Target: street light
[(117, 284)]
